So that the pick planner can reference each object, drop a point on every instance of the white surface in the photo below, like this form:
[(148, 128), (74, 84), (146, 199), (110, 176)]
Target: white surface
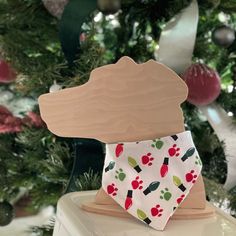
[(77, 222), (226, 132), (21, 226)]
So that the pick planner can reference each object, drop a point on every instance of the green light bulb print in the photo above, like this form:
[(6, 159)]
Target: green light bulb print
[(152, 187), (142, 216), (133, 163), (110, 166), (178, 183), (188, 154)]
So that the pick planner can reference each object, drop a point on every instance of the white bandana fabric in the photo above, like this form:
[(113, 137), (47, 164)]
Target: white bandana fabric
[(149, 179)]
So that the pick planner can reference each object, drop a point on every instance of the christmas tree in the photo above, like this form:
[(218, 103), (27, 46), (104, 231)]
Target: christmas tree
[(49, 45)]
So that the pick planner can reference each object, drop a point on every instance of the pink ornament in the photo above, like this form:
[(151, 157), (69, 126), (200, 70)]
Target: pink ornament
[(33, 119), (9, 123), (55, 7), (203, 84), (7, 74), (82, 37)]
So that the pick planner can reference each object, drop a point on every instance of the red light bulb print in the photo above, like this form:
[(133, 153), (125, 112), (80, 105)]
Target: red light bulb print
[(164, 167), (128, 200), (119, 149)]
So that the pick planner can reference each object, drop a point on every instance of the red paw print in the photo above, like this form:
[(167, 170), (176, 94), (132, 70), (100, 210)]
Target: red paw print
[(157, 211), (137, 183), (180, 199), (191, 177), (112, 189), (147, 159), (174, 151)]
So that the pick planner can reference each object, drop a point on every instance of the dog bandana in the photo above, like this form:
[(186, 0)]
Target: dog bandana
[(149, 179)]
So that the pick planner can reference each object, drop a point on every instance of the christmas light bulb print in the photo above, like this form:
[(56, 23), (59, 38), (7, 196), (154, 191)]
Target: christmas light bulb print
[(178, 183), (119, 149), (142, 216), (110, 166), (152, 187), (164, 167), (128, 200), (134, 164), (188, 154), (175, 137)]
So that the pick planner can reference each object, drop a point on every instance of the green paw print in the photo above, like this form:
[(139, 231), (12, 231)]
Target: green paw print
[(157, 143), (198, 161), (165, 194), (120, 174)]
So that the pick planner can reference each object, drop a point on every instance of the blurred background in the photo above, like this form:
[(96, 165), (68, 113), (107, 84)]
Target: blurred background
[(48, 45)]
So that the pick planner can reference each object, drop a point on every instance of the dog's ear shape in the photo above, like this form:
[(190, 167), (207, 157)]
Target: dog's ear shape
[(121, 102)]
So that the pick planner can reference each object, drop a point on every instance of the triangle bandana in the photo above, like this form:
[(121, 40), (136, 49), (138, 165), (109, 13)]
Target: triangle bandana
[(149, 179)]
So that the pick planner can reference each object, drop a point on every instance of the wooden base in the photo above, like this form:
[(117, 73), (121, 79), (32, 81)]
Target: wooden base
[(193, 207), (118, 211)]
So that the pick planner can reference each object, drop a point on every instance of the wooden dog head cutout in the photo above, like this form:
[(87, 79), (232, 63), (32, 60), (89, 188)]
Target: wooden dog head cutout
[(121, 102)]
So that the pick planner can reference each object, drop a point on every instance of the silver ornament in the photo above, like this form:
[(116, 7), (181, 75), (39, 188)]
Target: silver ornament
[(55, 87), (223, 36), (22, 105), (5, 96), (109, 6), (55, 7), (18, 106)]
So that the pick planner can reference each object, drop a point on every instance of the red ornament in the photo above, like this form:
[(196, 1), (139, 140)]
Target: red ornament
[(203, 84), (4, 112), (7, 74), (33, 119), (82, 37)]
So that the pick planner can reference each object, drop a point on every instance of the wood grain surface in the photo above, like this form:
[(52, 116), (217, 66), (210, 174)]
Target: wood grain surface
[(121, 102)]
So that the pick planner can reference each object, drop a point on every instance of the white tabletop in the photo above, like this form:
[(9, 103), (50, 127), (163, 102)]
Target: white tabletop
[(78, 222)]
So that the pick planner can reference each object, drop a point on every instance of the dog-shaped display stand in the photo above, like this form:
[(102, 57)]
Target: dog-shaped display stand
[(124, 102)]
